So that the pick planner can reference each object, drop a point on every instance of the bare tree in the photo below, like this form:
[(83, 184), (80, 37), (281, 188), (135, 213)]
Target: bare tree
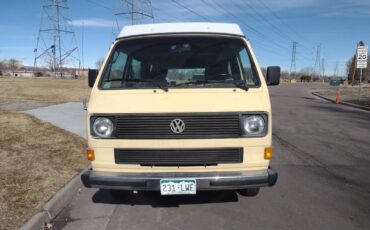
[(14, 64), (354, 74), (2, 64)]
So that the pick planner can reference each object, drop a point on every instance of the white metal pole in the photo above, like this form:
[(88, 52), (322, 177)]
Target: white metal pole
[(359, 86)]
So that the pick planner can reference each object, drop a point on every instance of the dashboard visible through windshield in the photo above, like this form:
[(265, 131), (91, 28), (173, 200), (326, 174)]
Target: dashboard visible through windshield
[(180, 62)]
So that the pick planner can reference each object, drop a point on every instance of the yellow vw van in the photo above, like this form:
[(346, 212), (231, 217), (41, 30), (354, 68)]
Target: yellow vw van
[(178, 108)]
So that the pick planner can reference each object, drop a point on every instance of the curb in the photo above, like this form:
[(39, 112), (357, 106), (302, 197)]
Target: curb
[(53, 207), (342, 103)]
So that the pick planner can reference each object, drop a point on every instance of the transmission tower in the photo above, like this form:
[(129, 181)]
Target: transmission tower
[(56, 46), (317, 67), (135, 11), (293, 62), (322, 67), (336, 69)]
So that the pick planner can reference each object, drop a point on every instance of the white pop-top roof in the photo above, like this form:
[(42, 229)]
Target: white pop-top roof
[(193, 27)]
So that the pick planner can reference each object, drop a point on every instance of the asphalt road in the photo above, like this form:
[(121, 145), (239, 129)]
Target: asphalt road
[(322, 154)]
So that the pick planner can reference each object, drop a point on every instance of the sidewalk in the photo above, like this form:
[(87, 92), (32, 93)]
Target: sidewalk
[(69, 116)]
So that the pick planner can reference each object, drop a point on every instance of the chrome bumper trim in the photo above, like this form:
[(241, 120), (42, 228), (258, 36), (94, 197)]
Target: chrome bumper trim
[(205, 181)]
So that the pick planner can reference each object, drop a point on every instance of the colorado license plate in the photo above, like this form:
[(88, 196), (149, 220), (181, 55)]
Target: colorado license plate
[(178, 186)]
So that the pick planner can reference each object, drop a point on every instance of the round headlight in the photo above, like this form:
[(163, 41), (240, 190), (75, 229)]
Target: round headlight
[(103, 127), (254, 125)]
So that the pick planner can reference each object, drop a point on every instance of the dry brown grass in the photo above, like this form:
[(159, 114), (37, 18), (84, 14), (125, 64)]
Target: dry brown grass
[(350, 94), (28, 93), (37, 159)]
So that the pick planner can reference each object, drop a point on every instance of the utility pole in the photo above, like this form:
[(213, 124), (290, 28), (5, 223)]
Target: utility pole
[(317, 66), (56, 45), (139, 11), (292, 61)]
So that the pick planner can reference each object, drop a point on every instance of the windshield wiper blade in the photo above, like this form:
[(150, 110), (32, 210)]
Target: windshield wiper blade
[(147, 80), (198, 82), (242, 86)]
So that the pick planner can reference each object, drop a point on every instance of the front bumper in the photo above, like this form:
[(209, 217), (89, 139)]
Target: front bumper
[(205, 181)]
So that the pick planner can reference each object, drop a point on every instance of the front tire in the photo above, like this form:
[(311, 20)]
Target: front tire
[(249, 192)]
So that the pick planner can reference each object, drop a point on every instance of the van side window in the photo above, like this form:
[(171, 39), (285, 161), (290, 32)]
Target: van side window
[(116, 67), (246, 68)]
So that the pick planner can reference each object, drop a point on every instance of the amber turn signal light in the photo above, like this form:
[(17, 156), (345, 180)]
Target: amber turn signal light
[(268, 153), (90, 154)]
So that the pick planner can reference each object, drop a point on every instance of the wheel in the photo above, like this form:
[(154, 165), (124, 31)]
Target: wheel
[(249, 191)]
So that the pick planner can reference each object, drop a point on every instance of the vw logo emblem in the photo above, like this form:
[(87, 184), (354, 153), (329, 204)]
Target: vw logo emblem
[(177, 126)]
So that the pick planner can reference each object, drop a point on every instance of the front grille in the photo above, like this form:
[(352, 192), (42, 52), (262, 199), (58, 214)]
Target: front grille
[(178, 157), (197, 126)]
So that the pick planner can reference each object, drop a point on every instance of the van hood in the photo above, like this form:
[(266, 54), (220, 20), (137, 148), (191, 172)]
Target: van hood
[(178, 101)]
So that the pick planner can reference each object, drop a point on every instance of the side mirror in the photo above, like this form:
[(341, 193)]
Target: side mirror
[(273, 75), (92, 74)]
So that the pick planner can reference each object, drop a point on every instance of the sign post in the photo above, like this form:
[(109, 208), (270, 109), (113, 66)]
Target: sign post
[(361, 63)]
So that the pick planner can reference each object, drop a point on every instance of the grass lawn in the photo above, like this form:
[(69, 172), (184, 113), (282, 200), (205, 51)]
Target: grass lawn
[(28, 93), (350, 94), (37, 158)]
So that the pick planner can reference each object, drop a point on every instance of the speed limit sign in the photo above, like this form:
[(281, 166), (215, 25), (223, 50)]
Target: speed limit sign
[(362, 57)]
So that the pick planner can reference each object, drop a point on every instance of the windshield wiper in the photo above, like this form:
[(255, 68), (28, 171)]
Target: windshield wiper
[(240, 85), (197, 82), (147, 80)]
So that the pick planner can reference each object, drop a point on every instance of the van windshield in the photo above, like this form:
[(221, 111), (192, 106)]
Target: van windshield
[(179, 62)]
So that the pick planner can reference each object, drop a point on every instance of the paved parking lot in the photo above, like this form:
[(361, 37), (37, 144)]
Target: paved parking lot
[(322, 155)]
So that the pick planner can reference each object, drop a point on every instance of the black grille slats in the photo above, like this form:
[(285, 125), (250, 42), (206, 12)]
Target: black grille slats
[(197, 126), (179, 157)]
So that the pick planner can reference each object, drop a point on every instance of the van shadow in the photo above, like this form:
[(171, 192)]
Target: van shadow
[(155, 199)]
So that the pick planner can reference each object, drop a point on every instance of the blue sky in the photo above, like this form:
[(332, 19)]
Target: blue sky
[(271, 25)]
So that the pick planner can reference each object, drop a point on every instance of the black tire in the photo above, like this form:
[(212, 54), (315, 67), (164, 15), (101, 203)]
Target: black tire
[(249, 191)]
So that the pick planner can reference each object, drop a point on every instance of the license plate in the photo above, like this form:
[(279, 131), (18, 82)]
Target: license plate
[(178, 186)]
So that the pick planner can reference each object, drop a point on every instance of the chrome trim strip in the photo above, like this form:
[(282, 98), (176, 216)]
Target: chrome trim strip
[(205, 181)]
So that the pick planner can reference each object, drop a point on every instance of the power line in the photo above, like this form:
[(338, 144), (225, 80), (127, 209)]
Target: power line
[(262, 36), (171, 16), (252, 30), (277, 31), (190, 10), (286, 25), (100, 5), (278, 18)]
